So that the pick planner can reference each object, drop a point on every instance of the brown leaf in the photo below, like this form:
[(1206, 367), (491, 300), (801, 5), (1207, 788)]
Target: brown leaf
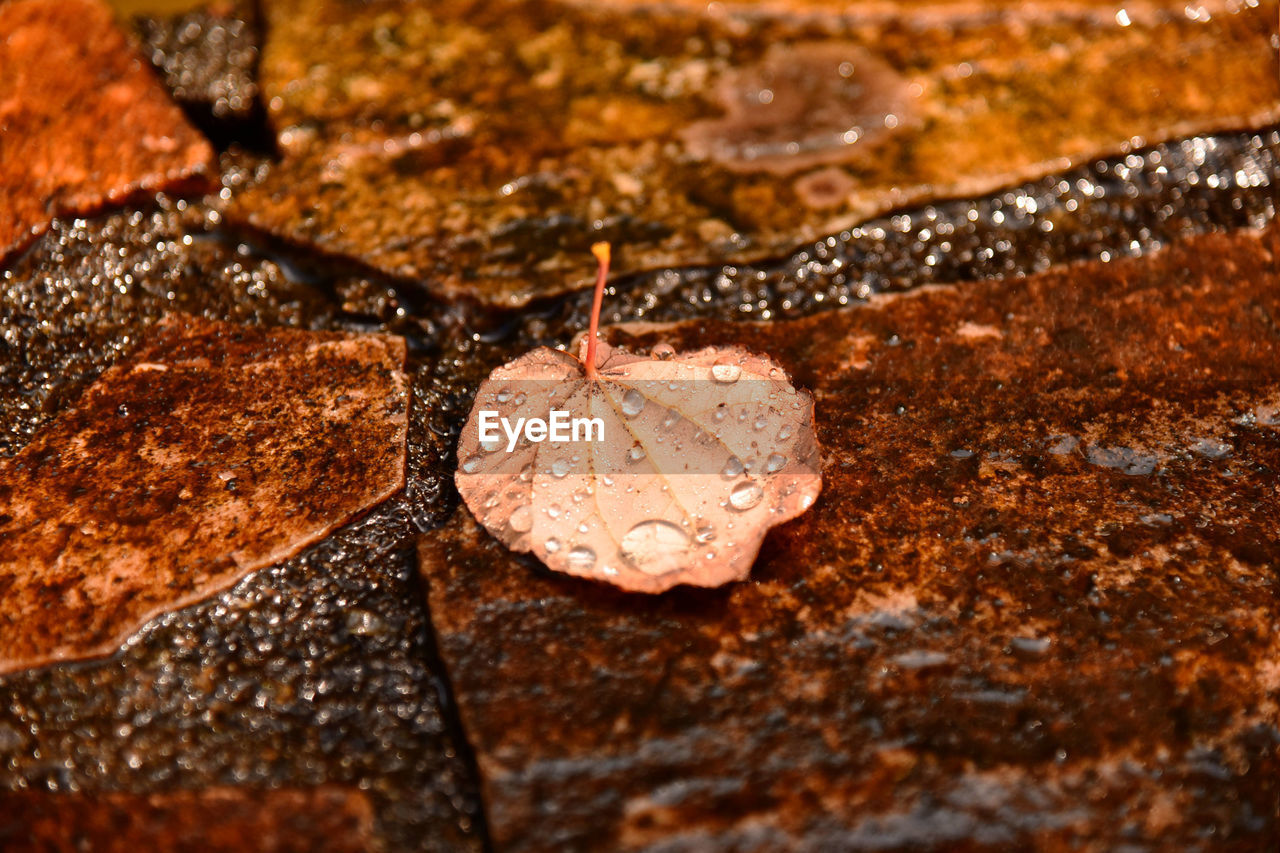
[(696, 456)]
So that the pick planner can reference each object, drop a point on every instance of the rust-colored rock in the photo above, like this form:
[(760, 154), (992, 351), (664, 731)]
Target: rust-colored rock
[(83, 121), (1034, 607), (481, 147), (327, 819), (214, 450)]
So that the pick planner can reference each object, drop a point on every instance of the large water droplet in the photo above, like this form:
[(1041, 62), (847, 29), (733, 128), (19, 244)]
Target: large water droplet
[(632, 403), (732, 468), (553, 511), (655, 547), (581, 558), (774, 462), (636, 453), (745, 495), (559, 468), (785, 432), (521, 519), (720, 412), (552, 545), (671, 418), (760, 422), (726, 373), (662, 352), (705, 533), (503, 396), (471, 464)]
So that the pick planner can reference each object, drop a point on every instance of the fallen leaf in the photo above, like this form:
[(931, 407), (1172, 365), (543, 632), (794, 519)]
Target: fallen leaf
[(672, 467)]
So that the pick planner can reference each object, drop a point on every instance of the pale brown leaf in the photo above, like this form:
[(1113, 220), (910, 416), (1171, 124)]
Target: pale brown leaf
[(703, 452)]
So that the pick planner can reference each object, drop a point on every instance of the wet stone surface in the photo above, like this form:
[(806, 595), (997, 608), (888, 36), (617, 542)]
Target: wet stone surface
[(1034, 604), (326, 819), (452, 145), (84, 293), (208, 59), (87, 124), (1014, 618), (317, 671), (212, 451), (1111, 208)]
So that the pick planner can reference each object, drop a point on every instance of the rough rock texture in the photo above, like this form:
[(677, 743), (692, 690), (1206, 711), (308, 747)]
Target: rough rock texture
[(318, 670), (83, 121), (481, 147), (208, 58), (1069, 688), (1035, 604), (214, 450), (87, 289), (323, 820)]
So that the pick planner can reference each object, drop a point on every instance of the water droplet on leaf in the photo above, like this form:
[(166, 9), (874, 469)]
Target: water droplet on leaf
[(745, 495)]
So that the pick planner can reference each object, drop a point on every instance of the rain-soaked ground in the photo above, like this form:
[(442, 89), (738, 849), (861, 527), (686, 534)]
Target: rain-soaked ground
[(1039, 309)]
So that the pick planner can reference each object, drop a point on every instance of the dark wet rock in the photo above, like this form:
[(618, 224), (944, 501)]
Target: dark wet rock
[(978, 650), (85, 123), (209, 60), (325, 820), (480, 148), (213, 451), (87, 290), (285, 680), (1112, 208)]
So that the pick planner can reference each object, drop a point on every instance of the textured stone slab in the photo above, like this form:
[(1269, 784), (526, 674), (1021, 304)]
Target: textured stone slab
[(317, 670), (325, 820), (208, 58), (1034, 606), (482, 147), (83, 121), (214, 450)]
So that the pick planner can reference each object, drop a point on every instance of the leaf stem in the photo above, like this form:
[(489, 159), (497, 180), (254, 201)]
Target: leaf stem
[(601, 251)]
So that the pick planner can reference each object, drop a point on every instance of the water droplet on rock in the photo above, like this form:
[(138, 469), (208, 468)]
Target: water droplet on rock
[(775, 462), (662, 352)]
